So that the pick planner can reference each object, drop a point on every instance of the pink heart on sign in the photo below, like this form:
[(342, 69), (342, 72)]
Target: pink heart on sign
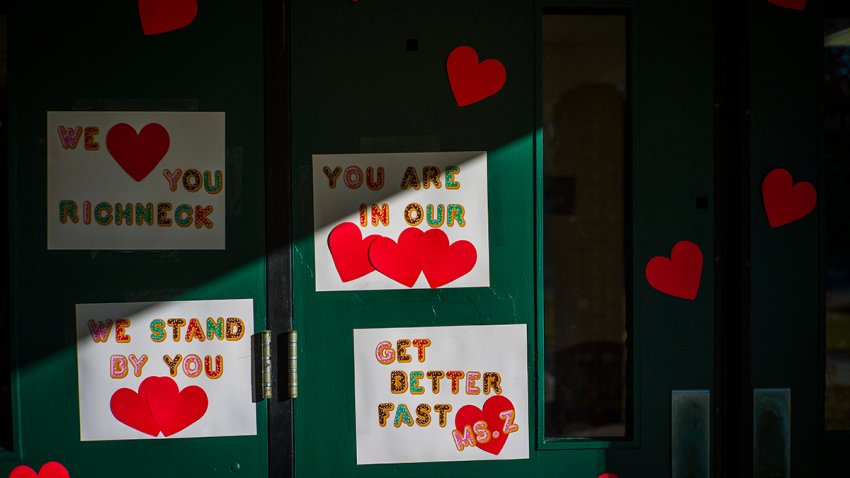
[(50, 469), (137, 154)]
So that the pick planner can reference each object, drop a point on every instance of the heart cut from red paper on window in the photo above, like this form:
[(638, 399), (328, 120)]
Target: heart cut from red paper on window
[(350, 251), (50, 469), (470, 80), (679, 275), (137, 153), (398, 260), (492, 414), (161, 16), (784, 201), (790, 4), (443, 263)]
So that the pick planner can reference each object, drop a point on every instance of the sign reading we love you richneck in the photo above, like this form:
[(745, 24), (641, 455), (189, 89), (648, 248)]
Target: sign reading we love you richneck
[(401, 220), (135, 180)]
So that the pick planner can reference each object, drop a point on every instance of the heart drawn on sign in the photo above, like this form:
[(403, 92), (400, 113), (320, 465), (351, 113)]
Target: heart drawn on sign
[(161, 16), (784, 201), (350, 251), (442, 263), (498, 413), (50, 469), (790, 4), (470, 80), (398, 261), (159, 406), (678, 276), (137, 154)]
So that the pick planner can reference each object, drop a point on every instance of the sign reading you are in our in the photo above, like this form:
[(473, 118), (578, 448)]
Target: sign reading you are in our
[(400, 220)]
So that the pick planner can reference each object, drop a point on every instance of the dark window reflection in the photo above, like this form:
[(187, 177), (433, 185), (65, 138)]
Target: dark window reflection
[(5, 354), (584, 97), (836, 129)]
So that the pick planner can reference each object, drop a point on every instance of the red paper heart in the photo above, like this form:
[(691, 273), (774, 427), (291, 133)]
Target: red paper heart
[(160, 16), (138, 153), (608, 475), (784, 201), (175, 409), (678, 276), (50, 469), (468, 415), (398, 261), (131, 408), (471, 81), (350, 251), (791, 4), (443, 263)]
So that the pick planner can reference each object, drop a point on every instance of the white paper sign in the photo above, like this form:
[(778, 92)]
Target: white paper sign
[(165, 369), (135, 180), (401, 220), (441, 394)]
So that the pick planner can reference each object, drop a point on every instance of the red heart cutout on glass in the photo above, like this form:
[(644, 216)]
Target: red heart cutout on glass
[(137, 154), (784, 201), (175, 409), (790, 4), (678, 276), (350, 251), (50, 469), (160, 16), (131, 408), (608, 475), (442, 263), (492, 414), (398, 261), (470, 80)]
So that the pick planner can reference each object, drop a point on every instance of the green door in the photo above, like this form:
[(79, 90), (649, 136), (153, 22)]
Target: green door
[(599, 150), (94, 56)]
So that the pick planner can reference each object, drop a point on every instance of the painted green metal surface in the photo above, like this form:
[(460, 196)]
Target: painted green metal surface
[(354, 80), (93, 55)]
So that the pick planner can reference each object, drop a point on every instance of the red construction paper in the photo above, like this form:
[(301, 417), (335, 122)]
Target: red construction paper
[(131, 408), (608, 475), (442, 263), (784, 201), (468, 415), (790, 4), (470, 80), (175, 409), (50, 469), (137, 154), (350, 251), (398, 261), (160, 16), (678, 276)]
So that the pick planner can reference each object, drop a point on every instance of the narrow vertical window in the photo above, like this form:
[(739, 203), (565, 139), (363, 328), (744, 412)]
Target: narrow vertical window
[(836, 204), (585, 193)]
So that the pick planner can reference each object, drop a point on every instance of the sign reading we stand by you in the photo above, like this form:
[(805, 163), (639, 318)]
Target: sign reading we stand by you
[(135, 180), (401, 220), (165, 369)]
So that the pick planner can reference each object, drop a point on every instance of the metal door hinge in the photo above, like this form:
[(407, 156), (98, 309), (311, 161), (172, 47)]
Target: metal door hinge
[(292, 363), (261, 365)]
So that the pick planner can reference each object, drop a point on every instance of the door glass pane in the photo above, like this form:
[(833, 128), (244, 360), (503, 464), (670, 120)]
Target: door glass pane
[(585, 304), (836, 203), (5, 336)]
